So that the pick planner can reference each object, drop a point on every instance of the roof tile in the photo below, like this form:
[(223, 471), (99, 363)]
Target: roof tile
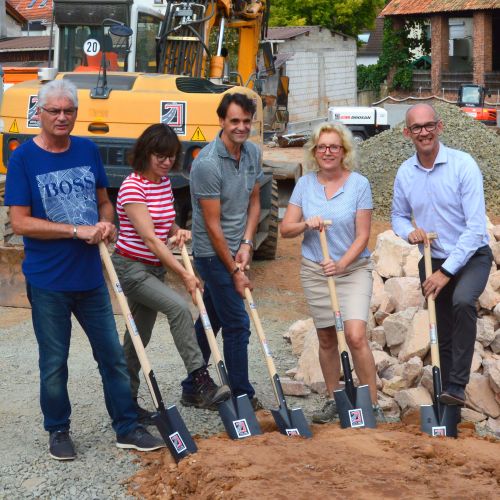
[(407, 7)]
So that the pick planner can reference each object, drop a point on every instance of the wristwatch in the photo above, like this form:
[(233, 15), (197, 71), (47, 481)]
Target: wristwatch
[(248, 242)]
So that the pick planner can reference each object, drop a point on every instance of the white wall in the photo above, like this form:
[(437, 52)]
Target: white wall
[(322, 73), (12, 27)]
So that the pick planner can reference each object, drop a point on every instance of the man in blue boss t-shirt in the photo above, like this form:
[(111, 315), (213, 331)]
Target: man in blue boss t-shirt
[(56, 190)]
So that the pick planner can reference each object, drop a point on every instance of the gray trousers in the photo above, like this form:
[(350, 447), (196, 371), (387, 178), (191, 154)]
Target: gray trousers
[(147, 294)]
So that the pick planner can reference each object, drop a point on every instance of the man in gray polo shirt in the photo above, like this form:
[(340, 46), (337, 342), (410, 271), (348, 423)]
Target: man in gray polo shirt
[(225, 187)]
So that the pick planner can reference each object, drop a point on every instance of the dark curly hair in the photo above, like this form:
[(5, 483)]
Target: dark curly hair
[(247, 104), (157, 139)]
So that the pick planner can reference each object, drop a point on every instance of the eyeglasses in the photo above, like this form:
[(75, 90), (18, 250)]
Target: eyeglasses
[(333, 148), (429, 127), (57, 112), (163, 158)]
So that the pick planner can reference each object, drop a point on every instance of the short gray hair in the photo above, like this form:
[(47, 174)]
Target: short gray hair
[(58, 88)]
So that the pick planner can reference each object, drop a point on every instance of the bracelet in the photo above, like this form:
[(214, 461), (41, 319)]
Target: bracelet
[(235, 270), (75, 233), (446, 272)]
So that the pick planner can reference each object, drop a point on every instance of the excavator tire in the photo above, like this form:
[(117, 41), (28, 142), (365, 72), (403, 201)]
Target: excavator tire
[(267, 249)]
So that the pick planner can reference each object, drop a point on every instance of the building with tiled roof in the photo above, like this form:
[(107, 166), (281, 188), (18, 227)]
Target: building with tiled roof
[(465, 39), (34, 10)]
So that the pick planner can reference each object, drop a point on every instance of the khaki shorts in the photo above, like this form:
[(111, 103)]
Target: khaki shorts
[(354, 291)]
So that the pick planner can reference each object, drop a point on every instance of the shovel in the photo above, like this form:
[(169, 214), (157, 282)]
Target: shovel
[(354, 404), (169, 422), (236, 413), (436, 419), (289, 422)]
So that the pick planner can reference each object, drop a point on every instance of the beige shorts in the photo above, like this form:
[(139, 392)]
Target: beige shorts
[(354, 291)]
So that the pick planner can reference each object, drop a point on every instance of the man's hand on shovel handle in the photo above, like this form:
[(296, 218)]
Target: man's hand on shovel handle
[(434, 284)]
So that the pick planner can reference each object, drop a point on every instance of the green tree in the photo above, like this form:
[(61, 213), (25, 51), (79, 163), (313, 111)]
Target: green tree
[(347, 16)]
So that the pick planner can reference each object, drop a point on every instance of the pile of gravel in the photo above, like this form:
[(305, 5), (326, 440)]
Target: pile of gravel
[(381, 156)]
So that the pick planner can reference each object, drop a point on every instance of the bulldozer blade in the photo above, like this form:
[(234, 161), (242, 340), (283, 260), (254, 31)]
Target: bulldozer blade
[(174, 432), (431, 424), (355, 414), (238, 417), (291, 422)]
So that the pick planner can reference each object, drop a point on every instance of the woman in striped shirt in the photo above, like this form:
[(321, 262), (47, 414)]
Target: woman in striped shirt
[(146, 213)]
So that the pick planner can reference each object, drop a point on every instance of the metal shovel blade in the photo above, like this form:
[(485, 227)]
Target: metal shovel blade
[(358, 414), (431, 424), (291, 422), (174, 432), (238, 417)]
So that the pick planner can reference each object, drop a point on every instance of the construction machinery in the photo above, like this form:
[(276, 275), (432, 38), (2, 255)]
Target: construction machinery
[(174, 69), (471, 100)]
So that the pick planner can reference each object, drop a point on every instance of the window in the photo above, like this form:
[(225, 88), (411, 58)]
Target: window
[(31, 4), (147, 30), (43, 3)]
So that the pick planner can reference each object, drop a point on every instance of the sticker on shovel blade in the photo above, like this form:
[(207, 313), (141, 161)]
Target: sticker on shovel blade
[(177, 442), (292, 432), (132, 324), (433, 334), (356, 418), (439, 430), (241, 428), (339, 325)]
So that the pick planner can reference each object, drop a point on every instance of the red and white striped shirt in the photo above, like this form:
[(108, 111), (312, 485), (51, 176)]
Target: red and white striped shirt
[(160, 202)]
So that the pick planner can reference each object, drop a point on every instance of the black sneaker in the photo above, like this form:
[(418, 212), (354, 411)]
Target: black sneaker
[(139, 439), (207, 394), (453, 395), (60, 446), (144, 416)]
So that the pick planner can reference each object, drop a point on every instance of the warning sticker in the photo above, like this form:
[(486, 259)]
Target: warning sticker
[(14, 128), (198, 135), (241, 428), (356, 417), (173, 114), (33, 118)]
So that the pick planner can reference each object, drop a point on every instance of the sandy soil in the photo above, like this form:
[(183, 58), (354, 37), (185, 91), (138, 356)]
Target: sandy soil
[(393, 461)]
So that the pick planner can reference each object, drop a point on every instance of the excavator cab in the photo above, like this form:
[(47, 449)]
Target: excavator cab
[(471, 100)]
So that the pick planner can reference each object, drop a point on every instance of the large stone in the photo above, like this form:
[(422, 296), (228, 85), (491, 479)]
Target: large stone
[(294, 387), (389, 406), (383, 360), (404, 292), (417, 341), (378, 336), (496, 312), (489, 298), (495, 345), (477, 362), (308, 369), (493, 425), (494, 280), (485, 332), (410, 267), (397, 325), (412, 399), (394, 370), (377, 291), (496, 232), (480, 396), (297, 332), (394, 385), (390, 254), (469, 415), (494, 376), (495, 248), (412, 370), (426, 379)]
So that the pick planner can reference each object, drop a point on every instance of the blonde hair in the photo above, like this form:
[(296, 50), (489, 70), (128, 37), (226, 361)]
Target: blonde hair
[(349, 161)]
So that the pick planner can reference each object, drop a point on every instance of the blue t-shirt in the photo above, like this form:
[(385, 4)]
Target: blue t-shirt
[(59, 187), (309, 194)]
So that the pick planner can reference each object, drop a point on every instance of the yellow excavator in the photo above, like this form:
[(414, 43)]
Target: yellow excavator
[(171, 67)]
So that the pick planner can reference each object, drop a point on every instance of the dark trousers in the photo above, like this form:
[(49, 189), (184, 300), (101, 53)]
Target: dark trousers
[(456, 315)]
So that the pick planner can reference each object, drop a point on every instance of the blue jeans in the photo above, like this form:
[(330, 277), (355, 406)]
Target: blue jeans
[(226, 311), (51, 314)]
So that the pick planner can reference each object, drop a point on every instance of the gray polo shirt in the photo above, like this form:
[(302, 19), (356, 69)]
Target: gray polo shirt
[(215, 174)]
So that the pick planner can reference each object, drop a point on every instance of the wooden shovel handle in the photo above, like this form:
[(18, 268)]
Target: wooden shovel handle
[(129, 320), (431, 306), (333, 295), (262, 337), (212, 342)]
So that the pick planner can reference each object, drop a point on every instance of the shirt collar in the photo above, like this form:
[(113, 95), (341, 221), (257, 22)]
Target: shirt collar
[(222, 150), (441, 158)]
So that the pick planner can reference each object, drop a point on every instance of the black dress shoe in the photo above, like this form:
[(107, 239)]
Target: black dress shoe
[(450, 397)]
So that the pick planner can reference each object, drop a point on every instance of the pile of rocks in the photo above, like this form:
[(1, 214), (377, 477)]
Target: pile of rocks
[(398, 332), (381, 156)]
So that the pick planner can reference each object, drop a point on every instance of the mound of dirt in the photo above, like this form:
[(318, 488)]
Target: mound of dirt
[(392, 461)]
